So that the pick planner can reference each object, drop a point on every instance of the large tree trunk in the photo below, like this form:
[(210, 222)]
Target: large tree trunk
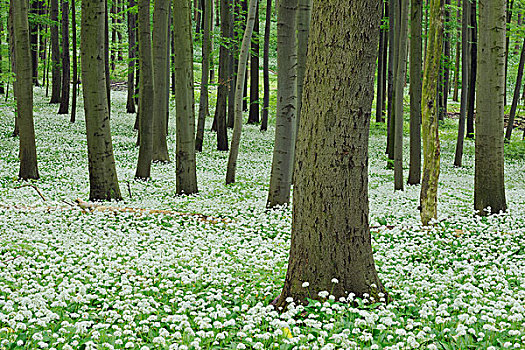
[(66, 74), (400, 81), (239, 90), (304, 15), (285, 123), (75, 63), (223, 82), (516, 97), (56, 81), (24, 92), (489, 180), (186, 177), (103, 182), (206, 53), (330, 231), (266, 69), (416, 50), (253, 116), (161, 79), (429, 111), (132, 52), (465, 60)]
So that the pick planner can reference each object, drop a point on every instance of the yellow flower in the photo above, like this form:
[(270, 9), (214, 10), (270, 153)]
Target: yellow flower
[(287, 333)]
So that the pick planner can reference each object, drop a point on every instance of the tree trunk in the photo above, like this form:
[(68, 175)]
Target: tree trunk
[(473, 70), (75, 63), (106, 58), (253, 116), (206, 53), (400, 81), (285, 123), (446, 63), (393, 17), (509, 4), (2, 88), (330, 232), (239, 89), (103, 182), (266, 69), (304, 15), (161, 79), (465, 59), (66, 66), (146, 92), (132, 43), (455, 96), (430, 134), (223, 82), (56, 87), (24, 92), (515, 99), (380, 72), (33, 39), (186, 177), (414, 173), (489, 180), (234, 63), (113, 48)]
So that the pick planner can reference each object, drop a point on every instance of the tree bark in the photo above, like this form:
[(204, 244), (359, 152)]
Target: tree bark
[(489, 180), (33, 39), (24, 92), (446, 63), (285, 123), (253, 116), (473, 70), (161, 79), (206, 53), (392, 65), (75, 63), (56, 82), (380, 65), (509, 4), (330, 231), (146, 92), (106, 58), (430, 134), (304, 15), (239, 89), (132, 54), (516, 97), (266, 69), (66, 66), (103, 182), (455, 96), (416, 50), (186, 176)]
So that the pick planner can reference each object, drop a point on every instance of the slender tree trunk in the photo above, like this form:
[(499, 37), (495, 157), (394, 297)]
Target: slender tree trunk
[(429, 130), (66, 66), (446, 62), (186, 177), (2, 89), (241, 72), (33, 39), (206, 52), (455, 97), (75, 63), (465, 70), (509, 4), (172, 36), (489, 179), (234, 62), (120, 3), (223, 82), (330, 231), (106, 57), (113, 49), (304, 15), (132, 54), (515, 99), (266, 69), (253, 116), (56, 87), (161, 79), (473, 70), (380, 71), (146, 92), (414, 174), (392, 65), (103, 182), (24, 92), (285, 124)]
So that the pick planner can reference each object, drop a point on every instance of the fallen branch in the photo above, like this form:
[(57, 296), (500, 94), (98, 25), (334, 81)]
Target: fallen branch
[(35, 188)]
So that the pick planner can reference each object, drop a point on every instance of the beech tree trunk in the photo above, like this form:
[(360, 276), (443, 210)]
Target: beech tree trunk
[(66, 66), (285, 123), (239, 90), (33, 38), (56, 82), (24, 92), (146, 92), (380, 71), (473, 70), (429, 111), (516, 97), (186, 176), (304, 15), (330, 231), (132, 54), (489, 180), (465, 71), (455, 96), (161, 79), (75, 63), (253, 116), (266, 69), (103, 182)]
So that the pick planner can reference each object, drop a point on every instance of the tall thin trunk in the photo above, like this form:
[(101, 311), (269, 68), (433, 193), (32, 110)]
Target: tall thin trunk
[(429, 130), (186, 176), (66, 66), (516, 97), (24, 92), (465, 71), (75, 63), (446, 63), (146, 91), (455, 96), (56, 83), (239, 88), (509, 5), (473, 70), (380, 71), (120, 3), (234, 62), (392, 65), (113, 48), (2, 89), (266, 69), (206, 52), (33, 39), (414, 173), (253, 116), (106, 57), (160, 42), (132, 43)]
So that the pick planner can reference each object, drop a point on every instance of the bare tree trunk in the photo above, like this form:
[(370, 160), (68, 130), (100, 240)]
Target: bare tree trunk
[(239, 89), (380, 72), (56, 88), (266, 69), (446, 63), (33, 39), (66, 66), (253, 116), (186, 176), (473, 70), (304, 15), (455, 96), (509, 4), (515, 99), (24, 92), (465, 69), (106, 57), (132, 54), (75, 63)]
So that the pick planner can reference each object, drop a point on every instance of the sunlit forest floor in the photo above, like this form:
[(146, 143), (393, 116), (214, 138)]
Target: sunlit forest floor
[(71, 279)]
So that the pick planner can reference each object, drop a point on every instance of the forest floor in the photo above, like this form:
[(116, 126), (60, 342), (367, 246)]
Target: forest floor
[(71, 279)]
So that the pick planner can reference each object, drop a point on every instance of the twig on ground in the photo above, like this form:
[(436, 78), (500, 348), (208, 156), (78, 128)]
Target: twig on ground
[(35, 188)]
